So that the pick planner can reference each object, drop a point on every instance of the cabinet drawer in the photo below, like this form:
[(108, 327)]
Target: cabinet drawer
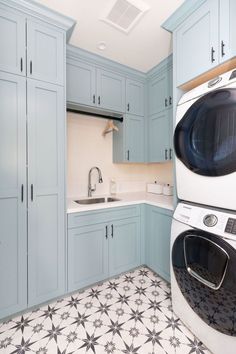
[(100, 216)]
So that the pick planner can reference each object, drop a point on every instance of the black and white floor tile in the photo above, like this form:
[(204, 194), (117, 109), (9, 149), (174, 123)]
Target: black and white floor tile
[(130, 314)]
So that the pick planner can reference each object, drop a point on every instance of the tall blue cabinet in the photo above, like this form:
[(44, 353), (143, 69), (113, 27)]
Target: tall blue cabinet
[(32, 134)]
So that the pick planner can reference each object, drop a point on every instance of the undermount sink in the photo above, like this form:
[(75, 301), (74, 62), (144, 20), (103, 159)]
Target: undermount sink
[(96, 200)]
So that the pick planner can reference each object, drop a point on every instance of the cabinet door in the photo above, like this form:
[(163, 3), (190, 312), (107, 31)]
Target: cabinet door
[(227, 29), (110, 91), (80, 82), (134, 138), (124, 245), (197, 42), (134, 97), (46, 156), (45, 53), (12, 43), (13, 233), (158, 93), (87, 255), (159, 132), (158, 241)]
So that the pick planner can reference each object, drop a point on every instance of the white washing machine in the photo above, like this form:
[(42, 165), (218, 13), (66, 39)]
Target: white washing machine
[(203, 274), (205, 143)]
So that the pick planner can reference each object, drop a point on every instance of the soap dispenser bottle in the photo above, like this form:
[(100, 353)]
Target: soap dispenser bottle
[(112, 186)]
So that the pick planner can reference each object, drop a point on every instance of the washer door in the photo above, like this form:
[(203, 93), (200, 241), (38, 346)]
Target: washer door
[(204, 266), (205, 138)]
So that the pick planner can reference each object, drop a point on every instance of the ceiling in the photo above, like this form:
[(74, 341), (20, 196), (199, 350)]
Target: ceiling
[(142, 48)]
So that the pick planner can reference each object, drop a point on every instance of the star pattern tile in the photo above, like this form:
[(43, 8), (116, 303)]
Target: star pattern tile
[(130, 314)]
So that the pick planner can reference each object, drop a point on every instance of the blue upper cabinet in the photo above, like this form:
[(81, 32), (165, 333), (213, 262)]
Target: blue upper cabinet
[(110, 91), (197, 42), (129, 141), (227, 29), (160, 112), (159, 137), (203, 38), (12, 43), (44, 42), (134, 97), (81, 83)]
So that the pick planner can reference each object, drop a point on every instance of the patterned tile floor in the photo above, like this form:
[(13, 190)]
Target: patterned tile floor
[(129, 314)]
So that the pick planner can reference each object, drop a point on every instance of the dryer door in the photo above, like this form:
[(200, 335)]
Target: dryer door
[(205, 138), (204, 267)]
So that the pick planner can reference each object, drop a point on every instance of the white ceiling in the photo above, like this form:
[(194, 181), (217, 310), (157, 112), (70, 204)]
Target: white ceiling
[(144, 47)]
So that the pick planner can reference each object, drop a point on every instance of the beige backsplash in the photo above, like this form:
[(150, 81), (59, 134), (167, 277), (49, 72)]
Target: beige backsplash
[(87, 147)]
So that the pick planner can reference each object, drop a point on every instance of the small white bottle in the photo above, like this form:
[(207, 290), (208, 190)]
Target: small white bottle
[(112, 186)]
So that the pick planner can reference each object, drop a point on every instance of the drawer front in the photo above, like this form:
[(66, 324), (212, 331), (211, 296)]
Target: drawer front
[(100, 216)]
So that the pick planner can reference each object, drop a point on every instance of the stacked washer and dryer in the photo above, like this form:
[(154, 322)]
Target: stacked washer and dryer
[(203, 236)]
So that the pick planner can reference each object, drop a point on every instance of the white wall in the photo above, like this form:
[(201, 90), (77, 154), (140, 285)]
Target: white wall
[(87, 147)]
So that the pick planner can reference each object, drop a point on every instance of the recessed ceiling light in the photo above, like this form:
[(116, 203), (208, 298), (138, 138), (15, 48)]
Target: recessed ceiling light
[(102, 46)]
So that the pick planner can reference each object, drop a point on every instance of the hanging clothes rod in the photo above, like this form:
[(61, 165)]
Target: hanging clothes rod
[(95, 114)]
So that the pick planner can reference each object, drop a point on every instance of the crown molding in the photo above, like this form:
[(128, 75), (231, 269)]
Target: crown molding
[(185, 10), (41, 12)]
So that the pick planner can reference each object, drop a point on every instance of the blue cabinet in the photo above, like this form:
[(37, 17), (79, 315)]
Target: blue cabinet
[(110, 90), (134, 97), (87, 255), (205, 39), (124, 245), (160, 91), (227, 30), (159, 137), (129, 141), (102, 243), (197, 42), (158, 223), (13, 215), (81, 83), (12, 43), (45, 53), (46, 212)]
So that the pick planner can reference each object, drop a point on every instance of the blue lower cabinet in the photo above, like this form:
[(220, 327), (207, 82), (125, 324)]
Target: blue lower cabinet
[(87, 255), (97, 250), (124, 245), (158, 233)]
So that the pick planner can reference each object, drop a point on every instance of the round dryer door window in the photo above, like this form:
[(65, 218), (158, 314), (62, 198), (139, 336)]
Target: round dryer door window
[(205, 138), (204, 267)]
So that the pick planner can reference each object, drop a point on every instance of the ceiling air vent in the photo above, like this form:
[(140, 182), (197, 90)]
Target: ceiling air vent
[(124, 14)]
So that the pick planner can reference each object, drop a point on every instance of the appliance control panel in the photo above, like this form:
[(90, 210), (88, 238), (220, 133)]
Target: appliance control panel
[(211, 220), (231, 226)]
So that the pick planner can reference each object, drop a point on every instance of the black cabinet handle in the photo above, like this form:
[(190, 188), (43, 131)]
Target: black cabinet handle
[(166, 154), (106, 232), (170, 100), (31, 67), (112, 231), (21, 64), (22, 193), (170, 154), (212, 55), (99, 100), (94, 99), (222, 48), (128, 155), (32, 192), (128, 107), (166, 102)]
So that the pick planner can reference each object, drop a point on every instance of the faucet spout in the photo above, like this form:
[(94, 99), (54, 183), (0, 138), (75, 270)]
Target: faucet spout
[(100, 180)]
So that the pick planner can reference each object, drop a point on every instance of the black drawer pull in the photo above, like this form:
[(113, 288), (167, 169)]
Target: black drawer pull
[(32, 192)]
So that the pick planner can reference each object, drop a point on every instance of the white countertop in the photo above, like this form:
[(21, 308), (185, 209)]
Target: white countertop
[(160, 201)]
